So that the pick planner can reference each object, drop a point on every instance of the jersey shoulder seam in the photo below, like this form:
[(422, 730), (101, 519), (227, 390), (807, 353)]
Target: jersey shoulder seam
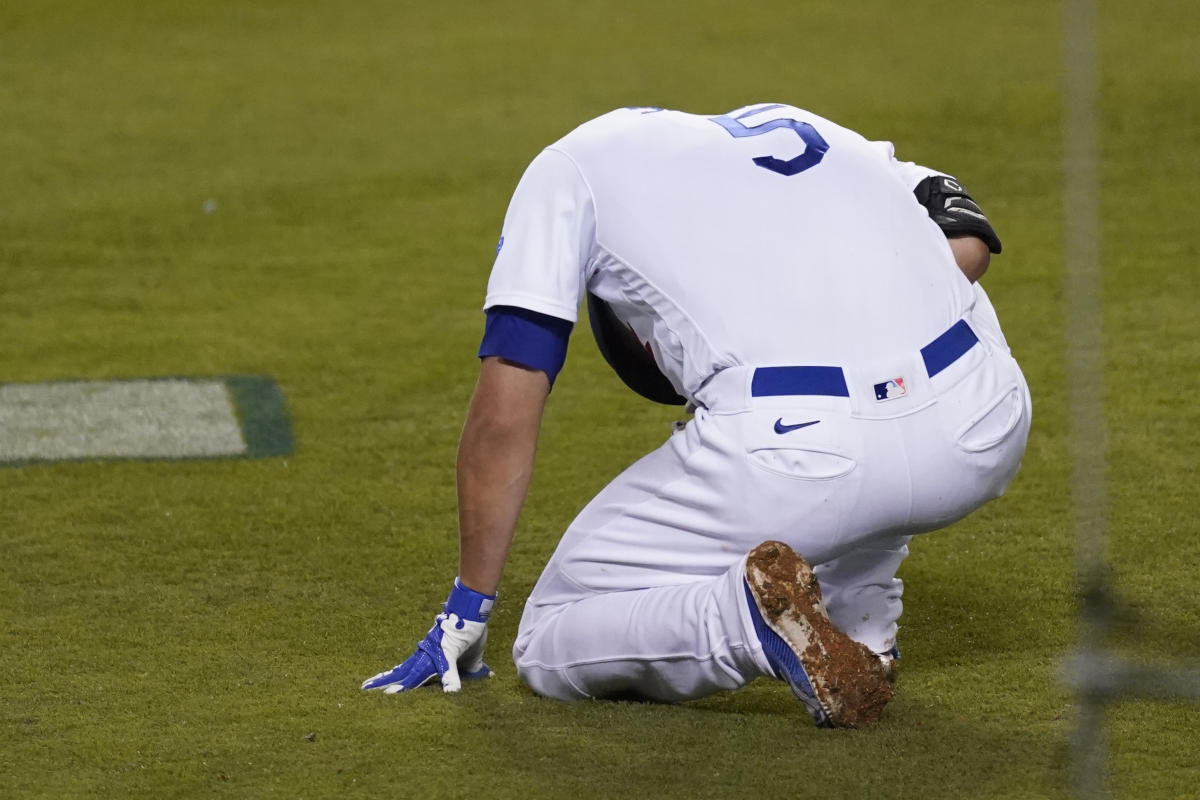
[(591, 194)]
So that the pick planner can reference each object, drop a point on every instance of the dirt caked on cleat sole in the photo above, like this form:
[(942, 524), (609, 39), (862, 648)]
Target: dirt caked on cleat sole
[(843, 683)]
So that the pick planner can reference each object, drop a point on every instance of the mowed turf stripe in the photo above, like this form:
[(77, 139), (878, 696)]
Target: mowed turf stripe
[(152, 418)]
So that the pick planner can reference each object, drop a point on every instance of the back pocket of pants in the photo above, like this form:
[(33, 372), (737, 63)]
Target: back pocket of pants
[(812, 465), (993, 423)]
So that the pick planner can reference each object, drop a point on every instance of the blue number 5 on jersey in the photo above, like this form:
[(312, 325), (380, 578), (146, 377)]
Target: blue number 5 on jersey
[(815, 146)]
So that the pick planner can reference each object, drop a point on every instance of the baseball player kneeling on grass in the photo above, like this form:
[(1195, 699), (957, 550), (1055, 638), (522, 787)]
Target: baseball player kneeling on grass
[(813, 300)]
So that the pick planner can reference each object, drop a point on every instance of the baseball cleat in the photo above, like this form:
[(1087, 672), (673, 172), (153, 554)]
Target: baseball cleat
[(841, 682)]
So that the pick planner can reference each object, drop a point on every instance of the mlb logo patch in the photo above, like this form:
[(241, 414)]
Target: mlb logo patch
[(890, 389)]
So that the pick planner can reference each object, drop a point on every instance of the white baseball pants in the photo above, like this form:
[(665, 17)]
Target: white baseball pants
[(643, 596)]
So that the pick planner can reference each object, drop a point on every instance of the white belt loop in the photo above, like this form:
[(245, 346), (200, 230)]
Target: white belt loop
[(726, 391)]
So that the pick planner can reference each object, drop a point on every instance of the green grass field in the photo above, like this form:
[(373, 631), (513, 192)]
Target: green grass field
[(313, 191)]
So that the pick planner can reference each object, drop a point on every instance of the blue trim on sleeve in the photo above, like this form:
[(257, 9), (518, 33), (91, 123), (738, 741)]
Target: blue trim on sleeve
[(532, 339)]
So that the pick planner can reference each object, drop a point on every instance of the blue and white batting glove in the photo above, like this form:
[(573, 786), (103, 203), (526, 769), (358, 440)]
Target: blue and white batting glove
[(453, 648)]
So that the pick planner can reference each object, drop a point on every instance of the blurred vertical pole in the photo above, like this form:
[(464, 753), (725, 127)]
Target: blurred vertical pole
[(1085, 388)]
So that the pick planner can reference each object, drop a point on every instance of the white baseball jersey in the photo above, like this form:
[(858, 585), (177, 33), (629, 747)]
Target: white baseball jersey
[(852, 388), (765, 236)]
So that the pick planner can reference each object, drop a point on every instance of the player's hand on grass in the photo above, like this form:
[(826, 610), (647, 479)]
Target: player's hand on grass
[(453, 648)]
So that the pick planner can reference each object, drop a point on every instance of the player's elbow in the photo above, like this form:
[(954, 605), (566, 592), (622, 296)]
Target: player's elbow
[(972, 256)]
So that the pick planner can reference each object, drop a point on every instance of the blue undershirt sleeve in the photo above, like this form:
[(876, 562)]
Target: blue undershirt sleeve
[(532, 339)]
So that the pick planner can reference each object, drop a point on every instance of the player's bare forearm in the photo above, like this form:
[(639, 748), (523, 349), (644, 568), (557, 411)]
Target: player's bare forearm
[(495, 463), (972, 256)]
